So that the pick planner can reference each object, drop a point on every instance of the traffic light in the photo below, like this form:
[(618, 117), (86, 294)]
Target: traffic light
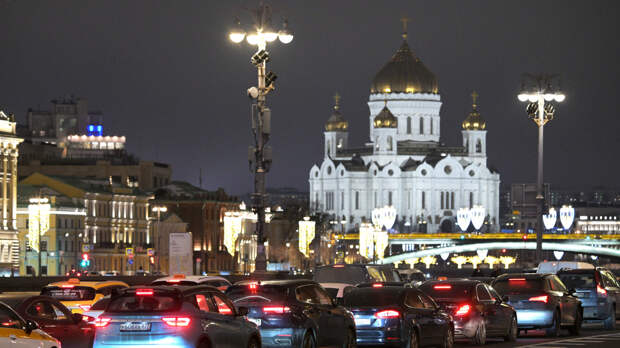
[(85, 260), (152, 260)]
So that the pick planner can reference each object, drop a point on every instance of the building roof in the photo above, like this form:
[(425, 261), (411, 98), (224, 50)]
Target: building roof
[(336, 123), (385, 119), (75, 187), (474, 121), (185, 191), (404, 73)]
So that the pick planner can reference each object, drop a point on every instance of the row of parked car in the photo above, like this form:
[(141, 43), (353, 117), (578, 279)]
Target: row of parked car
[(345, 306)]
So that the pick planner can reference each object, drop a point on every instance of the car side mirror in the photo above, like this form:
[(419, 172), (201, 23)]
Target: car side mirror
[(77, 317), (242, 311), (505, 299), (31, 326)]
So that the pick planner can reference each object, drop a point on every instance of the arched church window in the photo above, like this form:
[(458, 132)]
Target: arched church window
[(340, 143), (421, 125), (408, 125), (431, 126), (389, 143), (377, 143), (329, 147), (478, 146)]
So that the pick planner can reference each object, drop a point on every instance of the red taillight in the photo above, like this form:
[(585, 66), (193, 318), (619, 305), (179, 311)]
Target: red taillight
[(177, 321), (543, 298), (253, 286), (377, 285), (102, 322), (442, 287), (144, 292), (225, 310), (338, 266), (88, 319), (387, 314), (601, 291), (276, 310), (462, 310), (516, 279), (68, 286)]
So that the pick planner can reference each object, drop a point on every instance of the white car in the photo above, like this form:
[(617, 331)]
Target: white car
[(220, 283), (19, 333)]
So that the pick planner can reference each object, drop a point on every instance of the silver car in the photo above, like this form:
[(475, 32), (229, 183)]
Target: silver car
[(542, 301)]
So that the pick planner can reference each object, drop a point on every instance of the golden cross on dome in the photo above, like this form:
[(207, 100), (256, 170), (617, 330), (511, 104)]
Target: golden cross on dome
[(404, 20), (337, 101), (474, 97)]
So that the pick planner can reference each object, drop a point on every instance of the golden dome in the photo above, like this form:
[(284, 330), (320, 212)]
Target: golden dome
[(404, 73), (474, 121), (385, 119), (336, 123)]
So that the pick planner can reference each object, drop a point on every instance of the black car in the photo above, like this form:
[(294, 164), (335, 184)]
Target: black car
[(398, 316), (356, 273), (541, 301), (598, 291), (476, 307), (294, 313)]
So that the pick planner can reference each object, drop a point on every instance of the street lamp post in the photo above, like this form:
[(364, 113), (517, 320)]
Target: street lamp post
[(158, 209), (538, 92), (260, 154)]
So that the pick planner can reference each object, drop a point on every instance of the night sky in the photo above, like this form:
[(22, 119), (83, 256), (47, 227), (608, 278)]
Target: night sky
[(166, 76)]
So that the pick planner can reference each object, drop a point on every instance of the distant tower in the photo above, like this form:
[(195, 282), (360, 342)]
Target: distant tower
[(475, 134), (385, 128), (336, 131)]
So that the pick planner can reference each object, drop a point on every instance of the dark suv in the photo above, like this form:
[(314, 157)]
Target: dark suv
[(356, 273), (598, 291), (294, 313)]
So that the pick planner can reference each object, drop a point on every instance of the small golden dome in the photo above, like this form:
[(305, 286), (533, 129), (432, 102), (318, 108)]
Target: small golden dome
[(474, 121), (385, 119), (336, 123)]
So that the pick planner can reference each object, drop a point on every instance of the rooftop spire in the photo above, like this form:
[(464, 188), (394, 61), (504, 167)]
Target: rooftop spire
[(474, 98), (337, 101), (474, 121), (404, 20)]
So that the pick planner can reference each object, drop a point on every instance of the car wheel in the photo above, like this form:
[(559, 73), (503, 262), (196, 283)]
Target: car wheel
[(481, 335), (575, 330), (413, 340), (308, 341), (350, 341), (610, 322), (448, 340), (513, 331), (554, 330)]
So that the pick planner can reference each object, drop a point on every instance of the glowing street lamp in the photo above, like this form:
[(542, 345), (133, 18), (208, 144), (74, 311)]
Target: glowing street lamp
[(460, 260), (491, 261), (538, 92), (429, 260), (474, 260), (507, 261)]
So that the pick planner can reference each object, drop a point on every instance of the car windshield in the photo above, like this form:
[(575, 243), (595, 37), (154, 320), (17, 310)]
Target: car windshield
[(518, 285), (355, 274), (578, 280), (372, 298), (69, 293), (447, 292), (144, 304), (256, 293)]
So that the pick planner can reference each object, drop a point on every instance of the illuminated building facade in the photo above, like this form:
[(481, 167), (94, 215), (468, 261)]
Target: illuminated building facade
[(9, 247), (404, 164)]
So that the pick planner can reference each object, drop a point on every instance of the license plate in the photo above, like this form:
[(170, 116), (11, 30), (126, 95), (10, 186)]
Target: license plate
[(255, 321), (136, 326), (362, 321)]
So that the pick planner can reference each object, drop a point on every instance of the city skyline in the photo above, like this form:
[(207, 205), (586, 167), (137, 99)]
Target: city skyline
[(153, 63)]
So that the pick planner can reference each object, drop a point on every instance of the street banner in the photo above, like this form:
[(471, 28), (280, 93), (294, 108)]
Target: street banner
[(180, 255)]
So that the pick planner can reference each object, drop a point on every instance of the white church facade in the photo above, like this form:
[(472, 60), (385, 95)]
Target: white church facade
[(404, 164)]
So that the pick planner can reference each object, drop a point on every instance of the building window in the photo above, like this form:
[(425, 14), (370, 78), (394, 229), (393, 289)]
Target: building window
[(478, 146), (471, 200), (423, 200), (408, 125), (329, 148), (452, 200), (389, 143), (329, 200), (431, 126), (376, 203), (421, 125), (408, 200), (390, 198), (342, 200), (357, 200), (442, 200)]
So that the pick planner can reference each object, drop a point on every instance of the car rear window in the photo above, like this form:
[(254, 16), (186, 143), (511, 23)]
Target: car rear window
[(518, 285), (256, 293), (69, 293), (144, 304), (447, 292), (372, 298), (182, 282), (355, 274), (100, 305), (578, 280)]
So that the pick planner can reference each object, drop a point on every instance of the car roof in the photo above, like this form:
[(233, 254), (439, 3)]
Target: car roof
[(175, 288), (192, 278), (372, 290), (281, 282), (454, 281), (523, 275), (91, 284)]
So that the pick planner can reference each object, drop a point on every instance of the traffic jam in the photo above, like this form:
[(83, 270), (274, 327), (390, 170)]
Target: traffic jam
[(343, 305)]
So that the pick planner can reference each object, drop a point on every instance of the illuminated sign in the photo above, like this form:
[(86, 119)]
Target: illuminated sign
[(94, 129), (567, 215), (463, 218), (372, 242), (482, 253), (38, 221), (477, 216), (306, 235), (384, 217), (550, 219)]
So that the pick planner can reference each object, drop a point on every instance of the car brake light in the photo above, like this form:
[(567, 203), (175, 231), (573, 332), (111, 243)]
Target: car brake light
[(144, 292), (253, 286), (276, 310), (85, 307), (68, 286), (601, 291), (338, 266), (102, 322), (442, 287), (463, 310), (177, 321), (543, 298), (88, 319), (387, 314), (516, 279), (377, 285), (174, 281)]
